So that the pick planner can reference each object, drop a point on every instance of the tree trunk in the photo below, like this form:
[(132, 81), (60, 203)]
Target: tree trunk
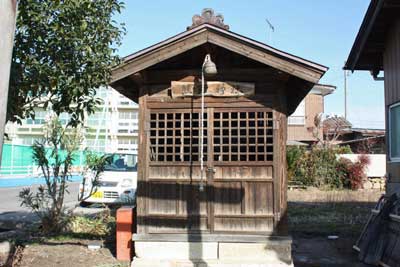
[(8, 12)]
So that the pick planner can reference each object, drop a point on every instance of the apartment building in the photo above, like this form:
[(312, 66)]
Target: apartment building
[(113, 127)]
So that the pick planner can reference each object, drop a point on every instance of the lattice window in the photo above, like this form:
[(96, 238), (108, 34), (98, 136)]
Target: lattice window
[(243, 136), (175, 136)]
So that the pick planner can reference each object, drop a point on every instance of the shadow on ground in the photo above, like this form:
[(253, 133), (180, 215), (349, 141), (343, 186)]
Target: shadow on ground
[(310, 224)]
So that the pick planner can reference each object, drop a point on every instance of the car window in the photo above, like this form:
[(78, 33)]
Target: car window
[(122, 162)]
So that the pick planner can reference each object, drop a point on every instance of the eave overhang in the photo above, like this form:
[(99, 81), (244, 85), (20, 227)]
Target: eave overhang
[(207, 33), (323, 89), (369, 45)]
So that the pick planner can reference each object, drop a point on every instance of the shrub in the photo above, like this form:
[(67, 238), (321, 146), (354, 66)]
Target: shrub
[(343, 166), (355, 172), (344, 150), (54, 155), (99, 225), (320, 167), (294, 155), (316, 167)]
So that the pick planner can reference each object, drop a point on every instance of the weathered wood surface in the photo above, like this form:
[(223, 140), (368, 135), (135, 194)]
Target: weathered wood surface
[(211, 238), (279, 60), (240, 190), (268, 59), (391, 63), (215, 89)]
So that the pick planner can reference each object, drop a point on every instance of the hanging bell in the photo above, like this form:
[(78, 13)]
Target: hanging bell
[(209, 67)]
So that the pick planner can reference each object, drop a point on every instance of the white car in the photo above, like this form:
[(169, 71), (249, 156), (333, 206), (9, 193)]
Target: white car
[(117, 184)]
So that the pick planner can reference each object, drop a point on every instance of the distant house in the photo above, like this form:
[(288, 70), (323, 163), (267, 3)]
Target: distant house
[(360, 140), (301, 126), (334, 127), (376, 49)]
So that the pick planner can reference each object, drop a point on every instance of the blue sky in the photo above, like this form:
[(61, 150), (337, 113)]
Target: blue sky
[(321, 31)]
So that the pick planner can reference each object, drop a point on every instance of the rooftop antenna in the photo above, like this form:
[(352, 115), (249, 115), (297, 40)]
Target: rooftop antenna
[(272, 29)]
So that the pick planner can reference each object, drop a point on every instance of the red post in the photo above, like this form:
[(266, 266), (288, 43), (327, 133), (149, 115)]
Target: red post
[(125, 228)]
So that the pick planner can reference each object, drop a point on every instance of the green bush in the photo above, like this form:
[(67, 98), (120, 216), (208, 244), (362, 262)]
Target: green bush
[(293, 154), (344, 150), (317, 167)]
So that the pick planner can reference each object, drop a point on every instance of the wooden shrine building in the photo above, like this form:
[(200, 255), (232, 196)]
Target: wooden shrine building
[(240, 196)]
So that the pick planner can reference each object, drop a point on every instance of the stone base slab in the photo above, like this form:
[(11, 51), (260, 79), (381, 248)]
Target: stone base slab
[(208, 254), (176, 250), (206, 263)]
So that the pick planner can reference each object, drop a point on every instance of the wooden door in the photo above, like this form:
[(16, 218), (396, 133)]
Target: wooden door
[(239, 187), (175, 202), (242, 163)]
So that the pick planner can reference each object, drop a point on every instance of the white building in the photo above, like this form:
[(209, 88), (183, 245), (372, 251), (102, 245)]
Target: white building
[(112, 128)]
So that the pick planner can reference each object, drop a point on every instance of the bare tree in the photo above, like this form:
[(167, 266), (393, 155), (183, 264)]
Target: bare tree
[(331, 131)]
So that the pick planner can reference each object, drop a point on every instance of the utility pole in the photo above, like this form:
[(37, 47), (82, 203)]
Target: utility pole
[(345, 94), (8, 14)]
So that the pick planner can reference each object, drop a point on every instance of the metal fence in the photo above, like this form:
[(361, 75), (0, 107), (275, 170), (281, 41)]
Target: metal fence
[(17, 160)]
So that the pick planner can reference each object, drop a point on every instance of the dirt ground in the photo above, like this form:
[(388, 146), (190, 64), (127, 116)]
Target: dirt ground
[(306, 252), (313, 215), (66, 254)]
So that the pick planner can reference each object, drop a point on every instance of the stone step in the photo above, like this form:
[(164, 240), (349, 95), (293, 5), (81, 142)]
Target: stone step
[(207, 263)]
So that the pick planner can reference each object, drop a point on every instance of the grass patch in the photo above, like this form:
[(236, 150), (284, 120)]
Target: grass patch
[(101, 225), (321, 219)]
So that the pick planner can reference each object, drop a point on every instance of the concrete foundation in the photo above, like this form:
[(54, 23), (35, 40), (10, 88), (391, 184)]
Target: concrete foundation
[(218, 253)]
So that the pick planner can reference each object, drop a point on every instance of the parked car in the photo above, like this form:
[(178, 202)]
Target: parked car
[(117, 184)]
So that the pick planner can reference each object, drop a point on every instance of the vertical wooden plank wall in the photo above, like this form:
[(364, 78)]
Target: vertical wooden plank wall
[(392, 96), (253, 202), (142, 162)]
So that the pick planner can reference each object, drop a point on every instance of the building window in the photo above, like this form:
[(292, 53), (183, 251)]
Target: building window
[(127, 115), (97, 119), (127, 141), (94, 145), (40, 118), (394, 132), (299, 116), (31, 140)]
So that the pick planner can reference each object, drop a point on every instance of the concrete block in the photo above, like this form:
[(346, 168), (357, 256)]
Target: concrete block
[(206, 263), (256, 251), (176, 250), (149, 263), (242, 263), (5, 247)]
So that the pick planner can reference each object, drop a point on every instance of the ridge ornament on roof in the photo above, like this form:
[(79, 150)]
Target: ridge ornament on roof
[(208, 16)]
